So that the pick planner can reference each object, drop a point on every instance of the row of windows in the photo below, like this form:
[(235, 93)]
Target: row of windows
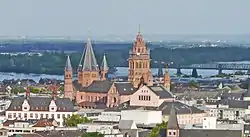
[(94, 99), (36, 115), (138, 65), (146, 98)]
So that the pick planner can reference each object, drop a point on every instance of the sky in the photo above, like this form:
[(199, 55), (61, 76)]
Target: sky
[(122, 17)]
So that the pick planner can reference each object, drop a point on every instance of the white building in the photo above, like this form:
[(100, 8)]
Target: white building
[(110, 116), (28, 108), (99, 127), (209, 122), (145, 117)]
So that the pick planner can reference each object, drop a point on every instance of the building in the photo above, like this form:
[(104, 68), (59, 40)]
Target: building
[(139, 63), (152, 96), (173, 130), (28, 108), (102, 94), (143, 117), (68, 83)]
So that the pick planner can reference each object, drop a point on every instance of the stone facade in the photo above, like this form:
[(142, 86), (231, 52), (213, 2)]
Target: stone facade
[(139, 63)]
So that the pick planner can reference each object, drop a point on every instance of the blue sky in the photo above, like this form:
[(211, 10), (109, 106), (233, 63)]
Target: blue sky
[(121, 17)]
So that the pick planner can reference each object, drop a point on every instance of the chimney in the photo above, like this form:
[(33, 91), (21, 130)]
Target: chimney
[(27, 93)]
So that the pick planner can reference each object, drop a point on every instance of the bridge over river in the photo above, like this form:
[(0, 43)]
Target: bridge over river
[(215, 66)]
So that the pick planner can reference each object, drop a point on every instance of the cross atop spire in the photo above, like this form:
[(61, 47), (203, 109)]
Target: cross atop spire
[(139, 29), (68, 66), (88, 34), (104, 65)]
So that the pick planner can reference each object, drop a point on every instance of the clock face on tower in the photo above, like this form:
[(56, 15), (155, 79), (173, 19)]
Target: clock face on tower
[(138, 54)]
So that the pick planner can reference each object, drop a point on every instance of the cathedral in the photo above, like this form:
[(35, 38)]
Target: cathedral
[(92, 89)]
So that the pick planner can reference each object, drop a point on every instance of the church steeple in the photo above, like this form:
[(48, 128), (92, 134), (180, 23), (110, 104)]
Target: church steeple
[(104, 65), (139, 62), (172, 125), (68, 78), (88, 69), (68, 66), (104, 68), (167, 79), (89, 61)]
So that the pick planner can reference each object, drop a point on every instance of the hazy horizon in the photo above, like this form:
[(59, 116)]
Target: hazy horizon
[(121, 18)]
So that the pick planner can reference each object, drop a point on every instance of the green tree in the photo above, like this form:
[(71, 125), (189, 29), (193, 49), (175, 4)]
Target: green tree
[(155, 131), (193, 84), (17, 90), (34, 89), (75, 119), (92, 134)]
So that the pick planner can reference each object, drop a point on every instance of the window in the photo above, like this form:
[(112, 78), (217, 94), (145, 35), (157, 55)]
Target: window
[(31, 115), (24, 108), (9, 115), (36, 115), (19, 115), (52, 108), (14, 115), (25, 115), (52, 116), (173, 133), (47, 115), (41, 115), (170, 133), (58, 116), (63, 115)]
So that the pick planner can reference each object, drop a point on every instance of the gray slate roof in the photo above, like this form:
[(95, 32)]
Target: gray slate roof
[(104, 66), (125, 124), (125, 88), (180, 108), (41, 104), (88, 61), (172, 120), (98, 86), (161, 91), (68, 66)]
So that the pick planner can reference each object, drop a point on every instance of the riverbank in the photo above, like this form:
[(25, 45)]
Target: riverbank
[(121, 71)]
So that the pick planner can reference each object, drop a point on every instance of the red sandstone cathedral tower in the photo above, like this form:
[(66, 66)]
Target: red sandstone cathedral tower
[(139, 63), (88, 70), (68, 85)]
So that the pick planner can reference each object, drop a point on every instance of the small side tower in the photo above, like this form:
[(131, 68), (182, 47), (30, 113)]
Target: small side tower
[(104, 68), (68, 84), (172, 126), (167, 79)]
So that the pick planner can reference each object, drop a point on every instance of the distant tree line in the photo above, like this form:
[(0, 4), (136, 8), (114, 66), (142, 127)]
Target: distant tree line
[(54, 62)]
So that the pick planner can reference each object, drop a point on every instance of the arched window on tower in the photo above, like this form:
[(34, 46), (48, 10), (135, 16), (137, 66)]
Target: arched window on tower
[(140, 65), (137, 65)]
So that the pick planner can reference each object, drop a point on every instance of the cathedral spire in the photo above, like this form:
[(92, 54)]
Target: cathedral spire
[(104, 65), (89, 60), (68, 66), (172, 120), (139, 29)]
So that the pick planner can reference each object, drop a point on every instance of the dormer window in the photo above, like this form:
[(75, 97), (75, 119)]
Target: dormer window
[(52, 108)]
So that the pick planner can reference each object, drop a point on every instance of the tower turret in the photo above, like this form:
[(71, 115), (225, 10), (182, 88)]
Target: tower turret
[(167, 79), (139, 62), (89, 70), (68, 84), (172, 126), (104, 68)]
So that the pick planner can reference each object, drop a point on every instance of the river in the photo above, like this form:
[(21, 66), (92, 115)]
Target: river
[(121, 71)]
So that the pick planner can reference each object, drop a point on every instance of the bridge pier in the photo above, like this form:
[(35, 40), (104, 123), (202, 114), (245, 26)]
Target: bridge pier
[(194, 73), (178, 73), (219, 71)]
